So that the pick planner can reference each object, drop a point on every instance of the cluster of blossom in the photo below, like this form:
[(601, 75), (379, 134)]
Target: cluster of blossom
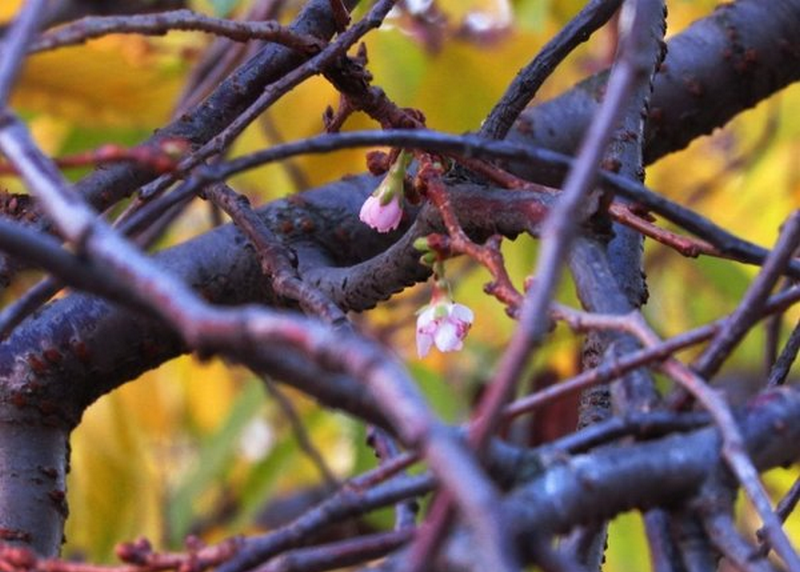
[(442, 323)]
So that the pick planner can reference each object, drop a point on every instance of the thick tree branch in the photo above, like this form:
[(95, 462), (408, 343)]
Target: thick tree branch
[(662, 473), (104, 187), (80, 347), (721, 65), (530, 78)]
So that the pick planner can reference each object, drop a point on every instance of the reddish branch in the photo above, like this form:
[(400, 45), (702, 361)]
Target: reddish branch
[(161, 159), (457, 242), (137, 556), (687, 246)]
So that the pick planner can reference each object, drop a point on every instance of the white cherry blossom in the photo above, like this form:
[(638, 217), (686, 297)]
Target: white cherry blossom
[(444, 324)]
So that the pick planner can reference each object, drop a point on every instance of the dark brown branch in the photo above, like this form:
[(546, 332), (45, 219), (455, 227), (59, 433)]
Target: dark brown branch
[(277, 260), (780, 370), (646, 475), (161, 23), (341, 554), (105, 187), (530, 78), (465, 145)]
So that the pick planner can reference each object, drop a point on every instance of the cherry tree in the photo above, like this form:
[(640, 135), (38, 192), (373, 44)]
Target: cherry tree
[(278, 289)]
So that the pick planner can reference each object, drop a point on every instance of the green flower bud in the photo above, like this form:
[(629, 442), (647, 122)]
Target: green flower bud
[(421, 244)]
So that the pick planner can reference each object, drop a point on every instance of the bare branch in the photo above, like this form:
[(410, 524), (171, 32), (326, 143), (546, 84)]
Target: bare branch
[(161, 23), (749, 309), (530, 78)]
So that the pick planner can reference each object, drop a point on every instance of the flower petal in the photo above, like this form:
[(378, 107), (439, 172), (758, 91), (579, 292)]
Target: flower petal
[(447, 337), (426, 316), (461, 313), (424, 343), (382, 218)]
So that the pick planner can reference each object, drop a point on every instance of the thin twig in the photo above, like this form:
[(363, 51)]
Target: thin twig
[(386, 449), (649, 425), (275, 257), (337, 555), (530, 78), (15, 312), (470, 145), (687, 246), (314, 66), (608, 371), (721, 529), (161, 23), (240, 332), (356, 497), (222, 57), (783, 365), (788, 503), (750, 307)]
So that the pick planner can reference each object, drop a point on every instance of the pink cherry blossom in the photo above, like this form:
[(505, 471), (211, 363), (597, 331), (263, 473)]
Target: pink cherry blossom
[(444, 324), (382, 218)]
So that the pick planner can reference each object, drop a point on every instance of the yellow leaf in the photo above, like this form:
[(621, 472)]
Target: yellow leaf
[(113, 81), (8, 8), (49, 132)]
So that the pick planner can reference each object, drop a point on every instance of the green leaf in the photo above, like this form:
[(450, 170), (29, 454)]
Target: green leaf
[(223, 8), (532, 14)]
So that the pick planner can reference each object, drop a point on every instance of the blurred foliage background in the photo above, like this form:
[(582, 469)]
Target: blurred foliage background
[(199, 447)]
